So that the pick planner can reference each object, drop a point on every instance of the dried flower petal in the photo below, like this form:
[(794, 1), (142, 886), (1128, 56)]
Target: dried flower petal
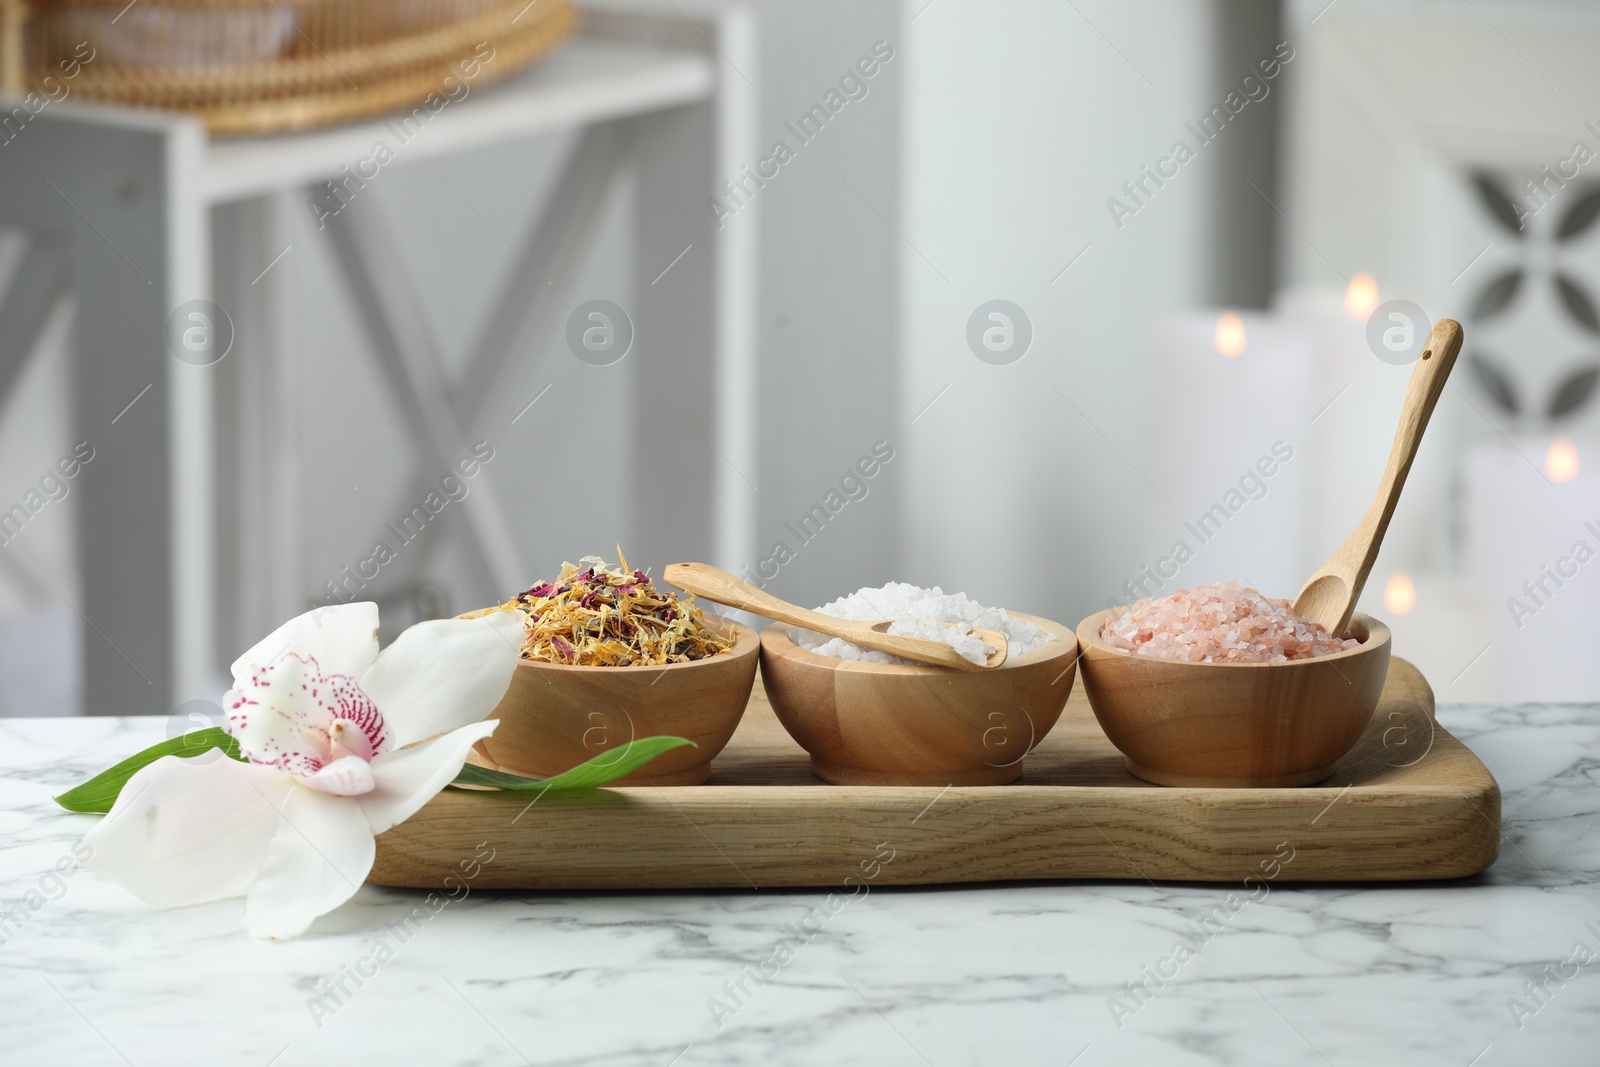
[(611, 618)]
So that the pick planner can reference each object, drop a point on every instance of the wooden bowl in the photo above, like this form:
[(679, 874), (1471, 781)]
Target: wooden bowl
[(556, 715), (897, 724), (1234, 724)]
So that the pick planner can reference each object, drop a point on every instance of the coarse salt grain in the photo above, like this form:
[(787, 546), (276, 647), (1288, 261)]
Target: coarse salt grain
[(1224, 623), (926, 613)]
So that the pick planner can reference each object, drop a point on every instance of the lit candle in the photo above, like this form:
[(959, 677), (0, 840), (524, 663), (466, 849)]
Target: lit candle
[(1357, 403), (1442, 623), (1224, 444), (1533, 546)]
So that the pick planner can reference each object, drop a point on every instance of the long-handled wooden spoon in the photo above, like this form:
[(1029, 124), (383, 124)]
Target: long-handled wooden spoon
[(1330, 596), (706, 581)]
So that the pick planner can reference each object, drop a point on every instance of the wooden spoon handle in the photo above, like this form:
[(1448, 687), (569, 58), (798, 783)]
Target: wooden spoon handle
[(704, 580), (1439, 353)]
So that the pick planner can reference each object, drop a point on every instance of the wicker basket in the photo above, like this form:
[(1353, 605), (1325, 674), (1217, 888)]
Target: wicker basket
[(264, 66)]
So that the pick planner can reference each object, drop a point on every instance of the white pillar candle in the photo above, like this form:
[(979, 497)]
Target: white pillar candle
[(1443, 624), (1532, 518), (1358, 398), (1224, 446)]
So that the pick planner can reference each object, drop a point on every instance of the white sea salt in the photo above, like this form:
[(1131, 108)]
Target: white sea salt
[(927, 613)]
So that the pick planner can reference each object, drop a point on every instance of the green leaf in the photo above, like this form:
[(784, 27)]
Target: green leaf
[(99, 793), (606, 767)]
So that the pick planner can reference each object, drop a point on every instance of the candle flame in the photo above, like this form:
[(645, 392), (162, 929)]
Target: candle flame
[(1361, 296), (1229, 337), (1400, 594), (1561, 462)]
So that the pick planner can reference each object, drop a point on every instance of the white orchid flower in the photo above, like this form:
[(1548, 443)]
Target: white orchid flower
[(337, 738)]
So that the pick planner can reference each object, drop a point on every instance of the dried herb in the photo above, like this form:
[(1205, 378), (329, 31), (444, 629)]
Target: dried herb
[(596, 616)]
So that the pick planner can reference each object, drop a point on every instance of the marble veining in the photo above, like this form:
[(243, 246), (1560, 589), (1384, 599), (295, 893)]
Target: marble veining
[(1503, 968)]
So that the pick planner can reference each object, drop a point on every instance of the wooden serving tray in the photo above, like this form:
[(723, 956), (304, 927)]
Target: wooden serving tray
[(1409, 802)]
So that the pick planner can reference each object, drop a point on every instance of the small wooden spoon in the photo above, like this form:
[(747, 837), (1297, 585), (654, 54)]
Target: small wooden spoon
[(1331, 594), (704, 580)]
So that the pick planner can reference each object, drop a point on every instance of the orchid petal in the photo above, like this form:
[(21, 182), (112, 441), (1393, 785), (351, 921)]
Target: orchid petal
[(188, 831), (347, 777), (439, 676), (410, 777), (343, 638), (319, 857), (277, 721)]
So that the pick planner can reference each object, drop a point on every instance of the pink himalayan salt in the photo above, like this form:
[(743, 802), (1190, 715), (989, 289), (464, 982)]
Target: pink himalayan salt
[(1225, 623)]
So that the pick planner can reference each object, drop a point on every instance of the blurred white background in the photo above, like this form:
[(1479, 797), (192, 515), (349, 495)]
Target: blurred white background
[(977, 167)]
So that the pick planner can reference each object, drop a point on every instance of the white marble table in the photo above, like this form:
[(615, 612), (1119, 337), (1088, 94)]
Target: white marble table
[(1003, 974)]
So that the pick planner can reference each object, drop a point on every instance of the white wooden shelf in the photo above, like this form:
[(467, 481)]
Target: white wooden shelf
[(590, 80)]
